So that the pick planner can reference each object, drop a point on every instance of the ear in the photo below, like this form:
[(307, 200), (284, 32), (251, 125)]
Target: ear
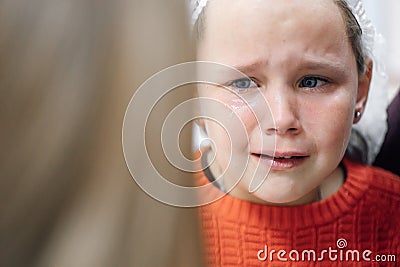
[(364, 81)]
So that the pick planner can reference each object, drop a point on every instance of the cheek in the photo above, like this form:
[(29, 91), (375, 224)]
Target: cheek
[(229, 145), (236, 116), (328, 121), (220, 137), (229, 138)]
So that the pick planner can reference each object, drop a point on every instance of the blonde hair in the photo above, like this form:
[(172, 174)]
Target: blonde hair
[(68, 70)]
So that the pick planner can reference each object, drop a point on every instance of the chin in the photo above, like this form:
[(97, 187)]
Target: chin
[(282, 200), (278, 198)]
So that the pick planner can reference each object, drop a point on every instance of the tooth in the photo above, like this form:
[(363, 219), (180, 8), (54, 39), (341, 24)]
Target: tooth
[(287, 157)]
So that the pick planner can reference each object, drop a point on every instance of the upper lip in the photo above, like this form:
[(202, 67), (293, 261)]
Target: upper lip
[(281, 154)]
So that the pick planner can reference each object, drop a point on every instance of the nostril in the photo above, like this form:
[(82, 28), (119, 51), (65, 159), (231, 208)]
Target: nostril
[(272, 131), (281, 131)]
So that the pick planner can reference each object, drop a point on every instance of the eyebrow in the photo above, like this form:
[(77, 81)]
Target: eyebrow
[(322, 64), (248, 68), (304, 64)]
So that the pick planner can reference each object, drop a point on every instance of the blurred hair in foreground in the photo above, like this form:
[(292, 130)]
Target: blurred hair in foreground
[(67, 71)]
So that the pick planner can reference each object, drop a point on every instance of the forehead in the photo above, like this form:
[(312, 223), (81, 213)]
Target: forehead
[(262, 27)]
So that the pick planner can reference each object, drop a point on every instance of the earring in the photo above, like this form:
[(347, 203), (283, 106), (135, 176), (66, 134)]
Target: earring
[(357, 115)]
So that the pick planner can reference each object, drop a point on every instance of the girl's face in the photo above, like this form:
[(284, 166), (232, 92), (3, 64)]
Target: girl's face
[(301, 63)]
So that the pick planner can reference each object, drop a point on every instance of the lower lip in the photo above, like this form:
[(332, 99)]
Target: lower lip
[(281, 164)]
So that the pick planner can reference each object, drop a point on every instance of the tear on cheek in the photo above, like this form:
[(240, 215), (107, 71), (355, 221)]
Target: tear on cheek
[(238, 110)]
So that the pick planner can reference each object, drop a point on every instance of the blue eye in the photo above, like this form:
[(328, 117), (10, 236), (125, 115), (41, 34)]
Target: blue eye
[(312, 82), (243, 84)]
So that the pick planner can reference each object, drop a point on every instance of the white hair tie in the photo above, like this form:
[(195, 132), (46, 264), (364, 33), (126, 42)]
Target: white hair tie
[(196, 8)]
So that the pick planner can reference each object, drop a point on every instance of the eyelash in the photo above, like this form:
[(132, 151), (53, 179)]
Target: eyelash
[(314, 78)]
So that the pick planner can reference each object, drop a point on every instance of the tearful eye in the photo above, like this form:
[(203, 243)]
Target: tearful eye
[(312, 82), (243, 84)]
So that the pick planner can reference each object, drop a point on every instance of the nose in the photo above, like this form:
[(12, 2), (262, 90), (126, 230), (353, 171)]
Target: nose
[(283, 105)]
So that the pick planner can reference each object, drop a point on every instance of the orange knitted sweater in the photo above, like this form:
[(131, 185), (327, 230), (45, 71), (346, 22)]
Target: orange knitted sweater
[(358, 226)]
